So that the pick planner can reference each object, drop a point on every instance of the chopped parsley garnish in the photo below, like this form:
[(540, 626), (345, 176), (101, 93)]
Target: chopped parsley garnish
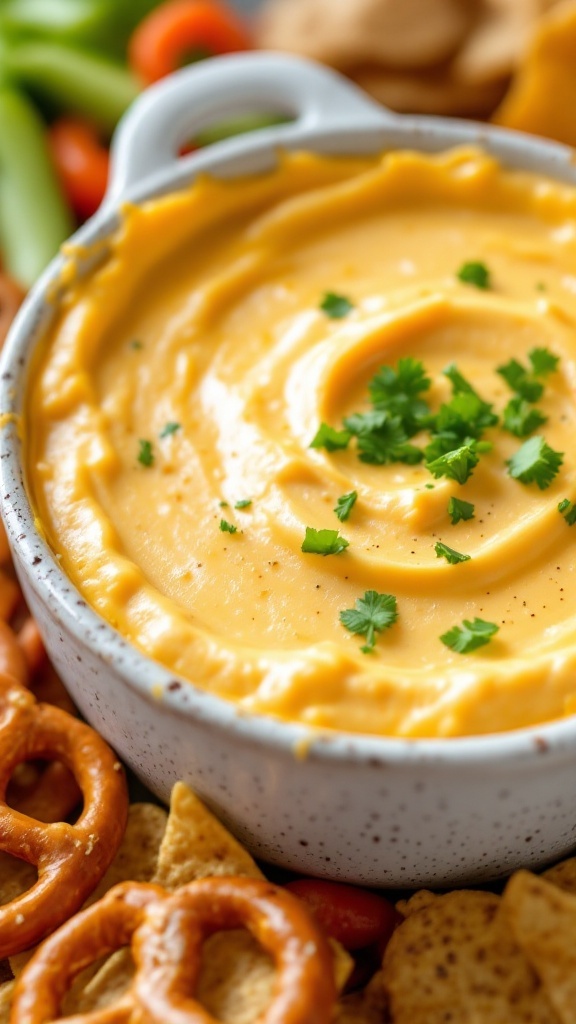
[(458, 509), (469, 636), (323, 542), (457, 465), (543, 361), (523, 381), (535, 462), (460, 386), (330, 439), (336, 306), (474, 272), (451, 556), (224, 504), (396, 392), (568, 510), (169, 428), (520, 380), (227, 527), (371, 614), (243, 503), (344, 505), (381, 438), (146, 453), (136, 345), (521, 418)]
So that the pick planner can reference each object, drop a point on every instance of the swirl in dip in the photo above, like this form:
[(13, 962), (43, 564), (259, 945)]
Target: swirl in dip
[(207, 317)]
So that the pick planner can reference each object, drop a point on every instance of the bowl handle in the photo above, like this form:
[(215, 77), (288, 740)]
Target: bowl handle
[(165, 116)]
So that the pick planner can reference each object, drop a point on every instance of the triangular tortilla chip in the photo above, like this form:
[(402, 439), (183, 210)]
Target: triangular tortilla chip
[(543, 921), (237, 976), (563, 875), (456, 955), (196, 845)]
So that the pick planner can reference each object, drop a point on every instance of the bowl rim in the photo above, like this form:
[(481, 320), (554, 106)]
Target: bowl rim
[(149, 679)]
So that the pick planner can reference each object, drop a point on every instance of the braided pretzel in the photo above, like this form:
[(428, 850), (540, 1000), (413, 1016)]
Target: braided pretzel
[(167, 939), (71, 859)]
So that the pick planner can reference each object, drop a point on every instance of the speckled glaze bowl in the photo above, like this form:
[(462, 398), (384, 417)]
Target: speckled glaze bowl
[(377, 811)]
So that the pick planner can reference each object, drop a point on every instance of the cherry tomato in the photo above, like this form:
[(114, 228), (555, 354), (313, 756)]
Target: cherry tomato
[(179, 30), (81, 164), (355, 917)]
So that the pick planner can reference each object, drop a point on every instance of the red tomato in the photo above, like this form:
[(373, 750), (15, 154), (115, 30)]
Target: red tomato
[(355, 917), (81, 163), (180, 29)]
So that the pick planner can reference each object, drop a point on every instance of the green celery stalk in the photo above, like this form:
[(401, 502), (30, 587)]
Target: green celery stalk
[(34, 218), (101, 25), (93, 86)]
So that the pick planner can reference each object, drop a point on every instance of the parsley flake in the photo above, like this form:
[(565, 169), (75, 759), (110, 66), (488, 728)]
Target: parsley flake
[(169, 428), (520, 380), (520, 418), (345, 504), (469, 636), (330, 439), (568, 510), (336, 306), (323, 542), (146, 453), (458, 464), (451, 556), (543, 361), (535, 462), (381, 438), (371, 614), (227, 527), (396, 391), (474, 272), (458, 509), (243, 503), (136, 345)]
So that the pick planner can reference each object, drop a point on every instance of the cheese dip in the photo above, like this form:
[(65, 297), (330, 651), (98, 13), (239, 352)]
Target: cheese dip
[(171, 412)]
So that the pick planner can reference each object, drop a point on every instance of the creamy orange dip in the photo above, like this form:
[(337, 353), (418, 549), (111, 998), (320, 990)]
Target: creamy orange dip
[(208, 315)]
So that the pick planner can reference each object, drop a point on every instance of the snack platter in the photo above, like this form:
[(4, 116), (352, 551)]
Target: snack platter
[(160, 882)]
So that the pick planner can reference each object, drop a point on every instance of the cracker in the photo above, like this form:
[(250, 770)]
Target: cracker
[(543, 921), (400, 35), (456, 954)]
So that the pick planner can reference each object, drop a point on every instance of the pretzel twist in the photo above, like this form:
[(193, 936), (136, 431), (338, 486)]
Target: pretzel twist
[(71, 859), (167, 933)]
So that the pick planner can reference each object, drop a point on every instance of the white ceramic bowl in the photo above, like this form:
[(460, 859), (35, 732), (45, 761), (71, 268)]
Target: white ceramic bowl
[(378, 811)]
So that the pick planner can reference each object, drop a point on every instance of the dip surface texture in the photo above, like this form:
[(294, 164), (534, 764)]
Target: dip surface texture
[(191, 373)]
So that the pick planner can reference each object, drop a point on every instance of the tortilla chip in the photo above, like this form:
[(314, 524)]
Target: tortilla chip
[(16, 876), (6, 990), (135, 861), (543, 921), (366, 1007), (457, 955), (422, 898), (196, 845), (237, 976), (542, 96), (563, 875)]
